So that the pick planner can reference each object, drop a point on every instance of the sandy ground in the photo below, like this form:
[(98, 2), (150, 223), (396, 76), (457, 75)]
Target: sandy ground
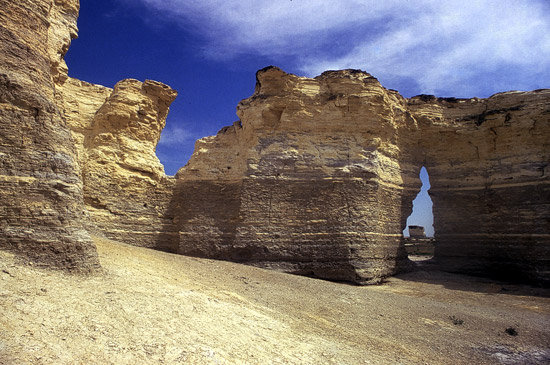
[(150, 307)]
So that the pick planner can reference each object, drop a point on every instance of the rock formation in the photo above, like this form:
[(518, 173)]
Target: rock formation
[(125, 187), (310, 181), (318, 177), (65, 142), (489, 166), (42, 213)]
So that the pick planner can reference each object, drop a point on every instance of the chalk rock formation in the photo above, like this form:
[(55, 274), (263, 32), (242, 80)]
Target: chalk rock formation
[(125, 187), (489, 166), (318, 177), (310, 180), (42, 211), (66, 142)]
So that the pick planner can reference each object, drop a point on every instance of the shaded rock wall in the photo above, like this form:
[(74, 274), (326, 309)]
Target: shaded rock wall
[(42, 213), (489, 162), (302, 183)]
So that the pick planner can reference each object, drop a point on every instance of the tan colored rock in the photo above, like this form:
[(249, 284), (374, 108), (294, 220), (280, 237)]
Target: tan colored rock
[(117, 131), (308, 182), (318, 178), (42, 213), (106, 159), (62, 30), (126, 128), (489, 162), (80, 102)]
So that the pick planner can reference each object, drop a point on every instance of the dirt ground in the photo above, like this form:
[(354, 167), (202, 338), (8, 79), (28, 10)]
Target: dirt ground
[(150, 307)]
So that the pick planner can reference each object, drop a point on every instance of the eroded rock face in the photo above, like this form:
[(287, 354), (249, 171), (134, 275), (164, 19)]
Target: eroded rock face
[(66, 142), (311, 180), (489, 162), (117, 131), (318, 177), (42, 213)]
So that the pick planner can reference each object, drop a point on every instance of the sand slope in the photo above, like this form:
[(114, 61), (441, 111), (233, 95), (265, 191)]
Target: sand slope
[(151, 307)]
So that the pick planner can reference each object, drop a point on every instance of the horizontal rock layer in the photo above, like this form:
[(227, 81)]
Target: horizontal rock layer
[(308, 181), (317, 177), (75, 157)]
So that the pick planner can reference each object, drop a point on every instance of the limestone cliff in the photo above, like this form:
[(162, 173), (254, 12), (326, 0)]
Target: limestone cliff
[(42, 212), (316, 178), (310, 181), (66, 142)]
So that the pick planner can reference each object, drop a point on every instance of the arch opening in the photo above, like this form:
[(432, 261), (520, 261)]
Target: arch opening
[(419, 233)]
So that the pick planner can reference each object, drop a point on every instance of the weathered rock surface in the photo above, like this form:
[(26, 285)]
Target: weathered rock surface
[(117, 130), (42, 211), (489, 166), (318, 177), (310, 180), (66, 142)]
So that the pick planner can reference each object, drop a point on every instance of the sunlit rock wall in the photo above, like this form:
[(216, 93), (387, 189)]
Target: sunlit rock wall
[(318, 176), (309, 181), (489, 167), (42, 212), (117, 131)]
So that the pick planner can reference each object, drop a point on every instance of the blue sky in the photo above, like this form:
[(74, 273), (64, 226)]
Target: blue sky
[(209, 50)]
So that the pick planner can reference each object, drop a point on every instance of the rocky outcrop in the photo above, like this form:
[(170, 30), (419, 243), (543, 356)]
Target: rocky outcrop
[(42, 213), (318, 177), (66, 142), (125, 188), (310, 181), (489, 166)]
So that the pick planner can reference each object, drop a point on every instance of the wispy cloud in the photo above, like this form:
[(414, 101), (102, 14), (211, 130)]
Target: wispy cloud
[(463, 48), (173, 135), (176, 145)]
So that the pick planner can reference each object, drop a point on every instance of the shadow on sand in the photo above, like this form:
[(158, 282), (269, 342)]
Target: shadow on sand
[(430, 272)]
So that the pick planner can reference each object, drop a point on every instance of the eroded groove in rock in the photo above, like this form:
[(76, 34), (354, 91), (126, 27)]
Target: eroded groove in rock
[(42, 212)]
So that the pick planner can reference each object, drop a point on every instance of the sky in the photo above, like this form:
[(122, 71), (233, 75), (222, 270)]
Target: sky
[(210, 50)]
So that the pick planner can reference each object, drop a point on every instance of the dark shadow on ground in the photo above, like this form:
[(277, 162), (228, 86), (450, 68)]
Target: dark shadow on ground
[(430, 272)]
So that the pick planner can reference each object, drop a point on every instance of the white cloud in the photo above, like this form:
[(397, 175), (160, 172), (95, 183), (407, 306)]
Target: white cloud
[(451, 47), (174, 135)]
